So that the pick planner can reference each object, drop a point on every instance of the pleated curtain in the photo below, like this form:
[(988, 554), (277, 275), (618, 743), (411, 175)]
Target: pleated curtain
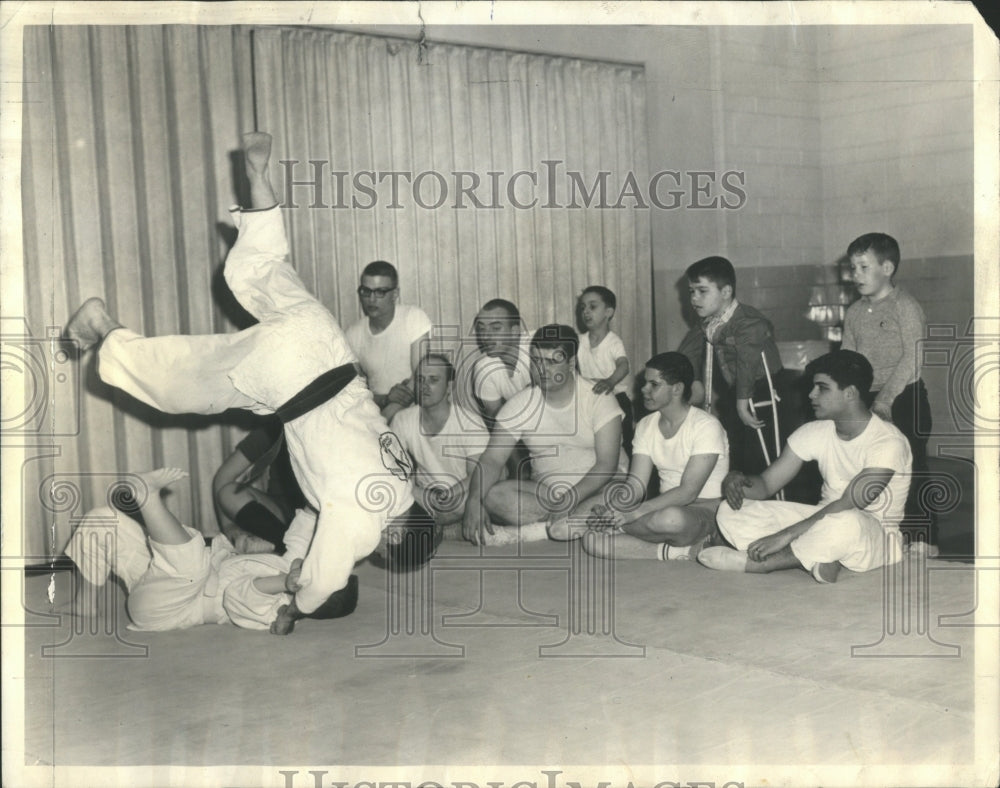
[(349, 110), (128, 169), (126, 174)]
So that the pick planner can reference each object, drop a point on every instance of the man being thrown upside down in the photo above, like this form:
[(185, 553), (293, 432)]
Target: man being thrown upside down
[(296, 363)]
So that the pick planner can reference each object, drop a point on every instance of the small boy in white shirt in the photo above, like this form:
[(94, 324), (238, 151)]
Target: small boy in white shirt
[(601, 357)]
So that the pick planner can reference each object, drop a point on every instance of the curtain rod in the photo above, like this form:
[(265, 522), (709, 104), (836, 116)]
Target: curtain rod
[(635, 66)]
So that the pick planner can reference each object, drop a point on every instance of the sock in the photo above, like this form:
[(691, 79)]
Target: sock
[(257, 519), (671, 553)]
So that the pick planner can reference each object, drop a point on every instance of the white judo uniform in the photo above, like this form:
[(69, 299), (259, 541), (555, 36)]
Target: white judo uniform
[(176, 586), (350, 467)]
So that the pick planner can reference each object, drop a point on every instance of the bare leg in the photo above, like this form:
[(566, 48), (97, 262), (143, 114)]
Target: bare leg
[(257, 153), (513, 503), (783, 559), (606, 544), (230, 499), (162, 526), (90, 324)]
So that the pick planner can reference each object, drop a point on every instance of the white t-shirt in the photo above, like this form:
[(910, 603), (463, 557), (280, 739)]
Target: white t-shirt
[(598, 363), (700, 433), (560, 440), (493, 380), (385, 357), (441, 457), (881, 445)]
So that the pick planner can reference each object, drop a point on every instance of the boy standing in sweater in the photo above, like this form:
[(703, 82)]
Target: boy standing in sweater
[(884, 325)]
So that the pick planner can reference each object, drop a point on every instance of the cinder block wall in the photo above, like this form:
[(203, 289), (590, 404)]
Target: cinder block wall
[(897, 136)]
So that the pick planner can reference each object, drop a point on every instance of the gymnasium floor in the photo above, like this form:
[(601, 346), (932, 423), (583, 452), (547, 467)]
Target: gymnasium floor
[(546, 657)]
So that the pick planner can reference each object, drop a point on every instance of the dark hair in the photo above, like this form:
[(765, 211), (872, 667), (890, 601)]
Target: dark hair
[(505, 305), (442, 360), (421, 538), (714, 269), (603, 293), (883, 246), (674, 367), (845, 368), (382, 268), (556, 336), (340, 603)]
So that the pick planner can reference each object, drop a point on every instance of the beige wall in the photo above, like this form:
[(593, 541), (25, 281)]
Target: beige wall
[(840, 131)]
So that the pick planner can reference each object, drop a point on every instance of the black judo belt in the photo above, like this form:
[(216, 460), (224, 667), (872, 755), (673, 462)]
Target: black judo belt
[(321, 390)]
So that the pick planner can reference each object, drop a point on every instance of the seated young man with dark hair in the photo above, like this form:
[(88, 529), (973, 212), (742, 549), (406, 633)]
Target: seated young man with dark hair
[(573, 436), (296, 363), (865, 465), (688, 448)]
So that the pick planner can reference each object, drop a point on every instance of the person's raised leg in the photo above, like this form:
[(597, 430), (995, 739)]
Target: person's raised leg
[(258, 522), (90, 324), (257, 156), (161, 525)]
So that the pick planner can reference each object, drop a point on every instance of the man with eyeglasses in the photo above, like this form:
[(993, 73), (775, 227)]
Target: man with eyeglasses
[(388, 339)]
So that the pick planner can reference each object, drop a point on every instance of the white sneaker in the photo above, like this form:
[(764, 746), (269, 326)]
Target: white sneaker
[(723, 558)]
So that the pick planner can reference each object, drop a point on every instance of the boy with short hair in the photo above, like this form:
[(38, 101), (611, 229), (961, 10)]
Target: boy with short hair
[(864, 462), (733, 335), (884, 325), (601, 356)]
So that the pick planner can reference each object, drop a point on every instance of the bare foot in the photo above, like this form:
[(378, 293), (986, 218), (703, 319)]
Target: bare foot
[(160, 478), (257, 150), (248, 544), (90, 324), (566, 529), (284, 623)]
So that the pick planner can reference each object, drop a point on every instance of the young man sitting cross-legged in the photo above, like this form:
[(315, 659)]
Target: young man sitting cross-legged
[(865, 465), (688, 448), (573, 435)]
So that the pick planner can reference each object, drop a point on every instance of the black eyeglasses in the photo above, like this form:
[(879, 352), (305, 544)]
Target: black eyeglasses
[(374, 292)]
